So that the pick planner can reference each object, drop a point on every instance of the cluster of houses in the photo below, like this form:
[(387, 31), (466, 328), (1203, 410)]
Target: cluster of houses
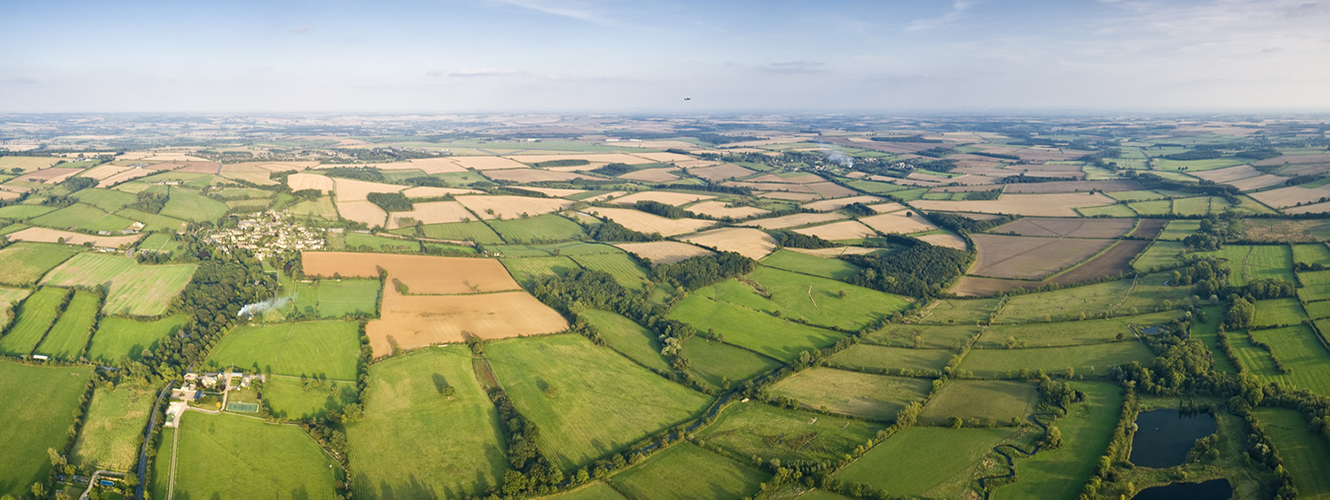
[(268, 233)]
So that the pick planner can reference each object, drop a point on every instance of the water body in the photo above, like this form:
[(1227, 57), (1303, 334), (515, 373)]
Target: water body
[(1153, 330), (1164, 437), (1214, 489)]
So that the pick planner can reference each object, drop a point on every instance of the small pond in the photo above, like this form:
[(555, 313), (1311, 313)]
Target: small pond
[(1163, 437), (1214, 489), (1153, 330)]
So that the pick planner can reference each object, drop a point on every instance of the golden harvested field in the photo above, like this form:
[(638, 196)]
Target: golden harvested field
[(249, 172), (1258, 182), (414, 321), (648, 223), (718, 209), (780, 195), (434, 212), (832, 190), (797, 179), (772, 186), (795, 220), (437, 165), (552, 192), (299, 182), (533, 175), (1071, 228), (697, 163), (664, 252), (1070, 186), (1291, 196), (1030, 258), (975, 286), (666, 197), (750, 243), (945, 240), (432, 192), (487, 162), (8, 195), (826, 205), (652, 175), (424, 274), (846, 230), (721, 172), (1295, 160), (605, 196), (898, 222), (592, 157), (1227, 174), (353, 190), (49, 176), (576, 168), (103, 171), (1045, 205), (835, 252), (27, 163), (362, 211), (125, 175), (1309, 209), (664, 157), (282, 166), (512, 207), (44, 235), (887, 207)]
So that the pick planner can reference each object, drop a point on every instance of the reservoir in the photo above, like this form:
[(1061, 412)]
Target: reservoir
[(1163, 437)]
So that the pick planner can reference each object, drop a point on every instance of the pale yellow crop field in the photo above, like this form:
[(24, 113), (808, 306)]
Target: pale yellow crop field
[(643, 222), (512, 207), (666, 197), (748, 242), (434, 212)]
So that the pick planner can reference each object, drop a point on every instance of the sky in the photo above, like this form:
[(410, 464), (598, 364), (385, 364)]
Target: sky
[(682, 56)]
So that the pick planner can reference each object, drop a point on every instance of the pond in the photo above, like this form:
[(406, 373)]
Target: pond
[(1214, 489), (1153, 330), (1163, 437)]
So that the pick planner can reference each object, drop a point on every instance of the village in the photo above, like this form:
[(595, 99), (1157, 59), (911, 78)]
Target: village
[(267, 233)]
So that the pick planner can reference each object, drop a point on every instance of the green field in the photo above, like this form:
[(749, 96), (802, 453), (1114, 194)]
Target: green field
[(537, 229), (115, 420), (1256, 360), (1115, 210), (154, 222), (1299, 350), (1135, 195), (1086, 430), (868, 357), (289, 397), (473, 231), (39, 408), (874, 187), (161, 476), (69, 336), (720, 364), (1176, 230), (135, 289), (757, 429), (1249, 262), (875, 397), (1155, 207), (590, 401), (1208, 333), (416, 443), (109, 200), (1317, 310), (1160, 255), (1088, 360), (926, 461), (1312, 253), (764, 333), (332, 299), (625, 270), (368, 242), (595, 490), (34, 318), (83, 217), (627, 337), (1192, 206), (9, 297), (24, 212), (1274, 312), (1065, 304), (818, 300), (1080, 332), (924, 336), (1304, 452), (191, 206), (322, 349), (321, 207), (994, 400), (810, 264), (1315, 285), (161, 242), (958, 311), (686, 472), (229, 456), (118, 337), (526, 269), (24, 263)]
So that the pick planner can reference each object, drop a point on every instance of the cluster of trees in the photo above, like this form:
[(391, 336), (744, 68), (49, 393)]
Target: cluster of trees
[(614, 169), (791, 239), (701, 271), (531, 471), (425, 181), (152, 203), (78, 183), (58, 201), (662, 209), (960, 223), (937, 152), (859, 209), (1214, 232), (613, 231), (1208, 188), (391, 202), (918, 270), (307, 194), (562, 163), (1195, 154), (1265, 153), (370, 174)]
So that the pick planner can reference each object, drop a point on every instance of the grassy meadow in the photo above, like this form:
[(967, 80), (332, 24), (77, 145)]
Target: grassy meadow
[(40, 406), (239, 457), (320, 349)]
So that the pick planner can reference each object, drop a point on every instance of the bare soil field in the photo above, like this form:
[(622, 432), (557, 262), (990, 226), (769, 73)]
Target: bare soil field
[(248, 172), (432, 192), (1050, 154), (1115, 260), (353, 190), (798, 179), (648, 223), (832, 190), (512, 207), (438, 165), (44, 235), (1294, 160), (944, 240), (721, 172), (1071, 228), (665, 157), (825, 205), (624, 158), (1305, 169), (750, 243), (1029, 258), (200, 168), (423, 274), (898, 222), (554, 192), (974, 286), (49, 176), (125, 175), (666, 197), (434, 212), (1229, 174), (362, 211), (771, 187), (690, 164), (1149, 228), (795, 220), (652, 175), (664, 252), (718, 209), (845, 230), (1291, 196), (103, 171), (1315, 208), (299, 182), (779, 195), (533, 175), (413, 321), (1047, 205), (1072, 187), (1258, 182), (487, 163)]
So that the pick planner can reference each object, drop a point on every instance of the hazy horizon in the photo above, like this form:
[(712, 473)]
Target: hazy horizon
[(538, 56)]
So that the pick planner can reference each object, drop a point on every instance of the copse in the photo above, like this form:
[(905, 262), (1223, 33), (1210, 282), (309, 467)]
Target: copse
[(701, 271), (919, 270), (791, 239)]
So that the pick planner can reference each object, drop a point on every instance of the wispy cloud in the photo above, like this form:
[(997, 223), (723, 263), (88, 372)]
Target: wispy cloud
[(472, 72), (794, 67), (958, 8), (300, 31), (571, 9)]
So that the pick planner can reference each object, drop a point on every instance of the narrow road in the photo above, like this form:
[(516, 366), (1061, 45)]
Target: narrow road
[(170, 486), (143, 449), (92, 482)]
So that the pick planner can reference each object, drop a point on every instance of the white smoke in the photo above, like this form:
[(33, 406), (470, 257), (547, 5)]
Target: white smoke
[(258, 308), (834, 154)]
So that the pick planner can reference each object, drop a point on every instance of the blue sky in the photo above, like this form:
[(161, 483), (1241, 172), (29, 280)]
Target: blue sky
[(646, 56)]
